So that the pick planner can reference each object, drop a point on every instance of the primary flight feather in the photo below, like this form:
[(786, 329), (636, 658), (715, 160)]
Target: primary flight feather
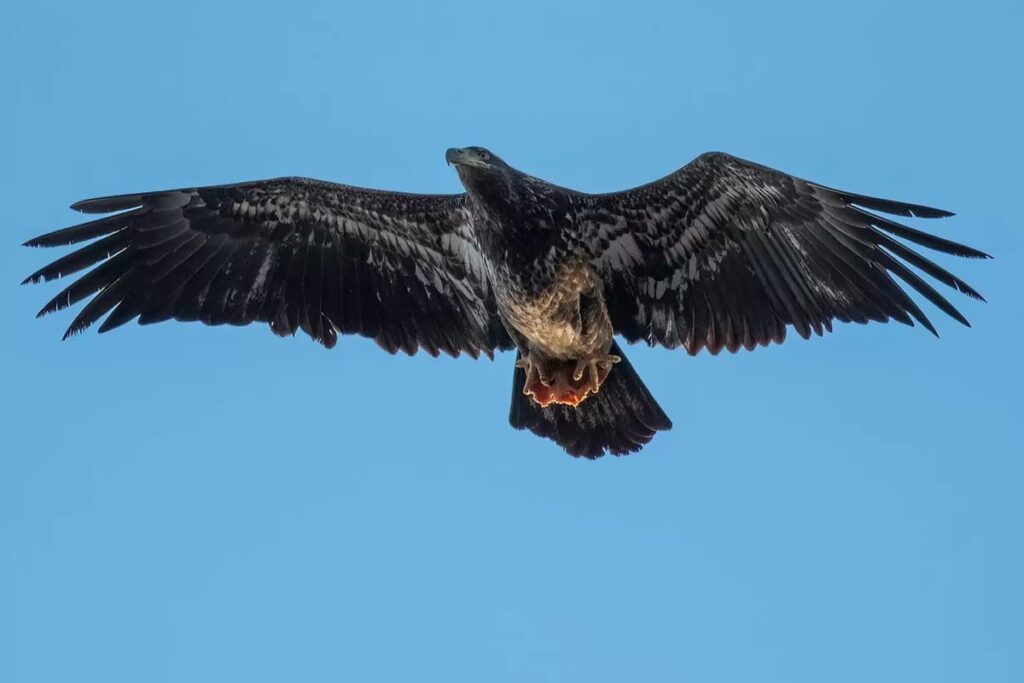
[(721, 254)]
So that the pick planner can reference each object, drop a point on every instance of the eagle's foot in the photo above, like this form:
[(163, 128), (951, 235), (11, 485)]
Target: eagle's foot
[(564, 382), (594, 371)]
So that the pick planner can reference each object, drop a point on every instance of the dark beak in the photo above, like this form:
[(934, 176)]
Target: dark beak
[(453, 155)]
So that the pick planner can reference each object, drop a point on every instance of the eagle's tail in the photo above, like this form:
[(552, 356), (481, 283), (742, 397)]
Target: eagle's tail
[(619, 419)]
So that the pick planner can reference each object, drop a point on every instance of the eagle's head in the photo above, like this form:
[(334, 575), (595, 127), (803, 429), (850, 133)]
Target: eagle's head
[(474, 158), (484, 175)]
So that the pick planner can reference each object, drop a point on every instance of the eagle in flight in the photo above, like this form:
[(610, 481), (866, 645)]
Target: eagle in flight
[(721, 254)]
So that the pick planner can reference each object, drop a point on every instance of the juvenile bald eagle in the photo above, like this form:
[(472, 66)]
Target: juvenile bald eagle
[(721, 254)]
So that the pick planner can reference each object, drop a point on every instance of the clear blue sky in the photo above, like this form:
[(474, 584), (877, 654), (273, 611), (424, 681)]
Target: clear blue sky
[(180, 503)]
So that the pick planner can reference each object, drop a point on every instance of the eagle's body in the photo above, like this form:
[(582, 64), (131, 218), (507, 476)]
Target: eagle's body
[(547, 291), (721, 254)]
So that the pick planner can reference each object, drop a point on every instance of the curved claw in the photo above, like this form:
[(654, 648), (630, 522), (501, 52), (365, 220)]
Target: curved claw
[(597, 370), (536, 373)]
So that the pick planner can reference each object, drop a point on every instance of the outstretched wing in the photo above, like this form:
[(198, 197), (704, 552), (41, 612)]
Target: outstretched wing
[(725, 253), (292, 252)]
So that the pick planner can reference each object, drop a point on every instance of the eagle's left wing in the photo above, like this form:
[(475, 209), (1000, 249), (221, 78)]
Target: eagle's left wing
[(296, 253), (725, 253)]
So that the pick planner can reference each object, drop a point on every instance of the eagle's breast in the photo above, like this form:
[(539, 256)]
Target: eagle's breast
[(566, 318)]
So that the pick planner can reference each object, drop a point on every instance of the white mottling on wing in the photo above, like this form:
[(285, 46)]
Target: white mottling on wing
[(259, 283)]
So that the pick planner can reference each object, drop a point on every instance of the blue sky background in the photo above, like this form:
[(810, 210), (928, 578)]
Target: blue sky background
[(180, 503)]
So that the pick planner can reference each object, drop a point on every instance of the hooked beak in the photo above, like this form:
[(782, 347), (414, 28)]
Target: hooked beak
[(454, 156)]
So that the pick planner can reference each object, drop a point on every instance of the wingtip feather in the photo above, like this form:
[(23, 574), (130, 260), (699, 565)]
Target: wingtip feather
[(108, 204), (929, 212)]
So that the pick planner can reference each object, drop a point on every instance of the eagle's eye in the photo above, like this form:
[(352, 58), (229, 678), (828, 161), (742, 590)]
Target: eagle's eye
[(484, 156)]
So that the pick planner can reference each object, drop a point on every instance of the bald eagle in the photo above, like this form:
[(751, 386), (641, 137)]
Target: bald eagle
[(721, 254)]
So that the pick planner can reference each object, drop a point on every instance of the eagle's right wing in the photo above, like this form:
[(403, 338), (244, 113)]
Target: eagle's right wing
[(725, 253), (292, 252)]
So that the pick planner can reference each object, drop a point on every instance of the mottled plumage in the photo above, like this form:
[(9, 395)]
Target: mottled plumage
[(721, 254)]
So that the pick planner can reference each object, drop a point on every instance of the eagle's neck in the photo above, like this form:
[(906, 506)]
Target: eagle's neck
[(520, 225), (514, 200), (490, 190)]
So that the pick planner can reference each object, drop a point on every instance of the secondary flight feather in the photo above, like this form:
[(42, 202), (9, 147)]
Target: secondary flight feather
[(721, 254)]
